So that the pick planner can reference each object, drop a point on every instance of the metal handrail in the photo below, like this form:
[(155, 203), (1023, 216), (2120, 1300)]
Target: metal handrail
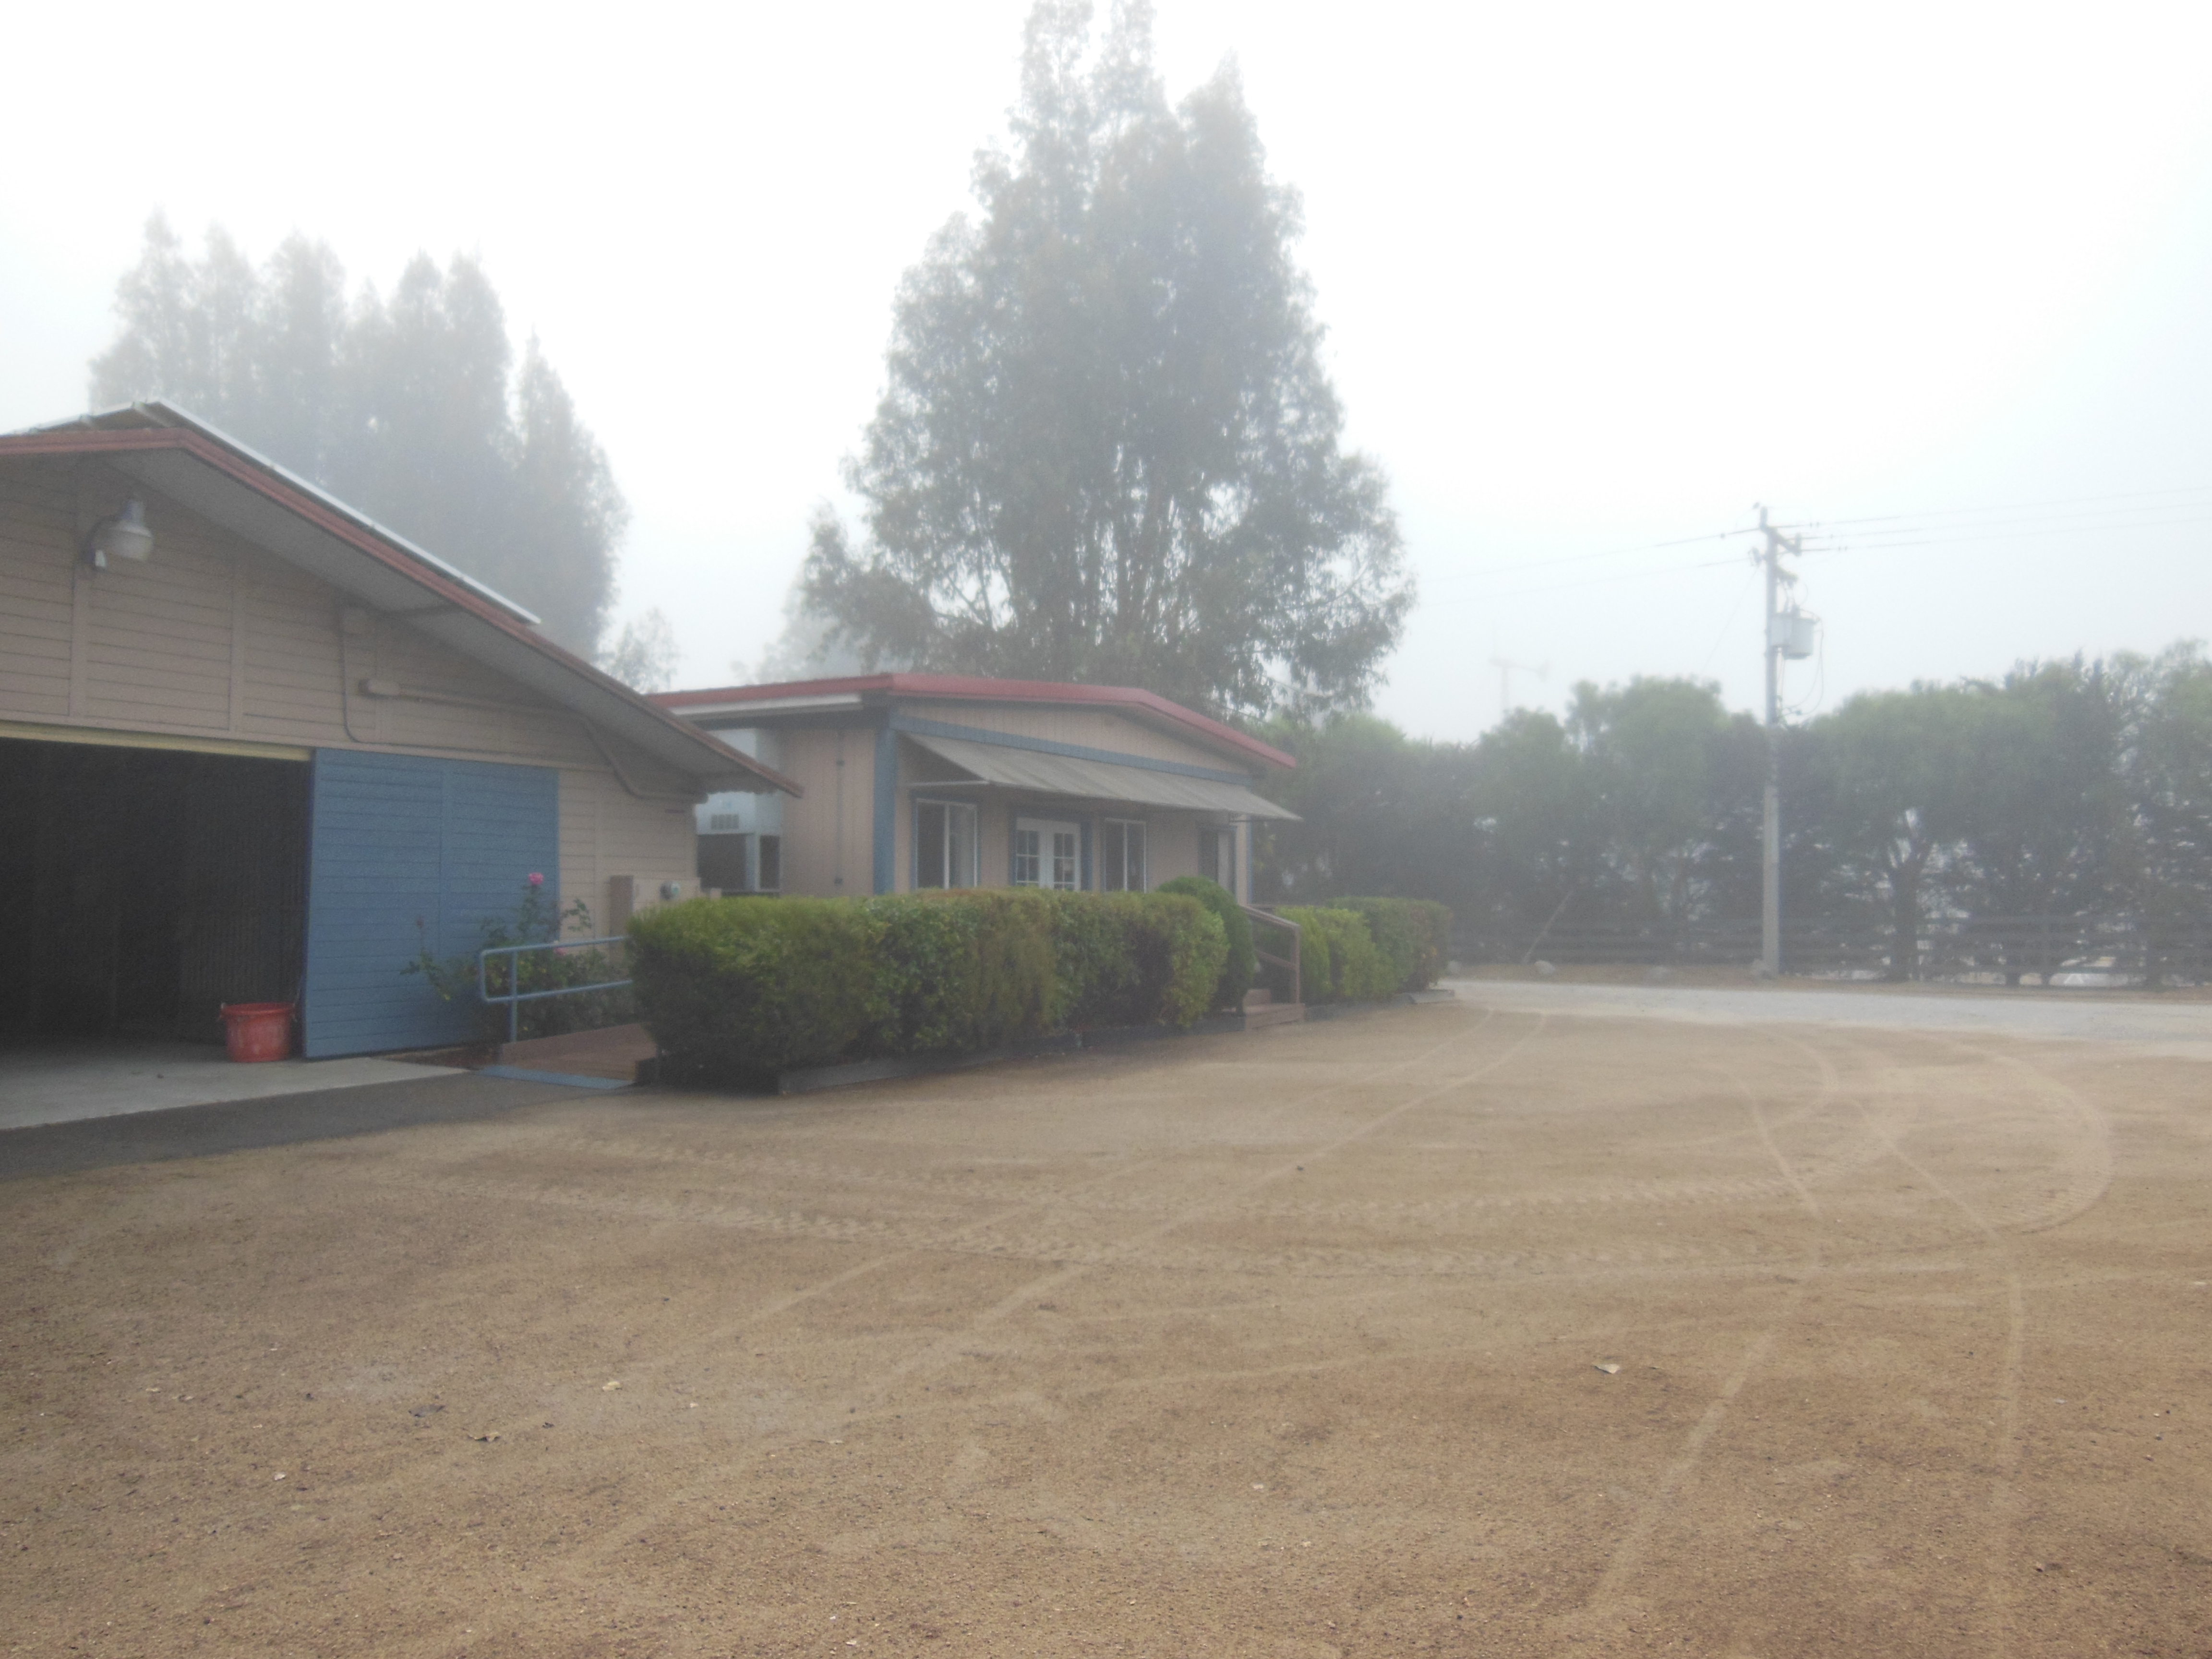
[(1269, 919), (514, 999)]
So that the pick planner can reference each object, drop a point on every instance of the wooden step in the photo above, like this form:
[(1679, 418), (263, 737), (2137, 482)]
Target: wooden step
[(1274, 1013)]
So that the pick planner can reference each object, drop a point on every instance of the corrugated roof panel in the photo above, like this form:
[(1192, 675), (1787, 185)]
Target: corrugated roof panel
[(1090, 780)]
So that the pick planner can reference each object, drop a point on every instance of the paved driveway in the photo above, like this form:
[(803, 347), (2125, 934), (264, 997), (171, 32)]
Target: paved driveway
[(2145, 1025)]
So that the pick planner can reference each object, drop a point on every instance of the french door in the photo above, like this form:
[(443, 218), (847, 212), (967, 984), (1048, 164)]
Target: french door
[(1047, 853)]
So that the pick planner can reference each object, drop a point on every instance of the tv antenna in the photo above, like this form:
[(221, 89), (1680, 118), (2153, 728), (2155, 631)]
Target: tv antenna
[(1507, 668)]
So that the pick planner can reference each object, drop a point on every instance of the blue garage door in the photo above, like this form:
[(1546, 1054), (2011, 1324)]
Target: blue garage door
[(403, 849)]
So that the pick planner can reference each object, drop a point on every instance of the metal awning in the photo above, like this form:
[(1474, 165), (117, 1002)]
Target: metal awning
[(1102, 780)]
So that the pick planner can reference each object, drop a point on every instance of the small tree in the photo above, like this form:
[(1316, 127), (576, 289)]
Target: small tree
[(2166, 766), (1540, 846), (645, 657), (1671, 773), (1885, 777), (2045, 833)]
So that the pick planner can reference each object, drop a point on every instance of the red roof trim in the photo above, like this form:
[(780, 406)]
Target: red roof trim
[(66, 441), (974, 688)]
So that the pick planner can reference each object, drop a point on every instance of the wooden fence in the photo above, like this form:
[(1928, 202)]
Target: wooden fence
[(2087, 950)]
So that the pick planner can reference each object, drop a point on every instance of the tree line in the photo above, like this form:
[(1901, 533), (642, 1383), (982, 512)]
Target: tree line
[(409, 407), (1108, 449), (2067, 789)]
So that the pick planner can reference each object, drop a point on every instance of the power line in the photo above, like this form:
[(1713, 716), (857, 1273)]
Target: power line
[(1884, 531), (2005, 506), (1901, 531), (1735, 612), (1608, 553), (2032, 525), (1964, 536), (1587, 581), (1968, 535)]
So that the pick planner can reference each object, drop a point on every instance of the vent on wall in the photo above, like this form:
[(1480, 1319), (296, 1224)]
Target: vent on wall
[(723, 823)]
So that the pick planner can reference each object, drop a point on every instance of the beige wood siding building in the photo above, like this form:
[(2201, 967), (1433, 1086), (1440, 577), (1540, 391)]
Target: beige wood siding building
[(918, 781), (270, 625)]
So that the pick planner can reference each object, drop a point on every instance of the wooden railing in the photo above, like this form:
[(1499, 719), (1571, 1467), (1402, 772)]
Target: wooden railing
[(1289, 964)]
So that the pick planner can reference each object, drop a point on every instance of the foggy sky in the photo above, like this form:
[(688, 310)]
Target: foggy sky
[(1594, 277)]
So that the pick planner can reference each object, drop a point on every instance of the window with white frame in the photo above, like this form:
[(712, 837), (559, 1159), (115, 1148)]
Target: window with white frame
[(945, 844), (1047, 854), (1217, 856), (1121, 855)]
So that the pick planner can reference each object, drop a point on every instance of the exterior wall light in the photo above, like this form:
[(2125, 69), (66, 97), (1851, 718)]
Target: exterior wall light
[(120, 535)]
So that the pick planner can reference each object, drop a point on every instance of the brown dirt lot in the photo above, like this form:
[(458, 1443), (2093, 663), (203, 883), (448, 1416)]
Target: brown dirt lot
[(1279, 1343)]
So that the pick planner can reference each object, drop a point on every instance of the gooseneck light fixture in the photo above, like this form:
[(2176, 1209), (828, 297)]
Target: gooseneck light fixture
[(120, 535)]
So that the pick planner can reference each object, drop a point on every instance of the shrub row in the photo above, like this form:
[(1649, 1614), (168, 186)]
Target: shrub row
[(1362, 949), (1414, 935), (736, 990), (1242, 964)]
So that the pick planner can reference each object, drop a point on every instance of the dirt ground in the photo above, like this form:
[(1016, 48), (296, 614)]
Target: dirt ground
[(1298, 1342)]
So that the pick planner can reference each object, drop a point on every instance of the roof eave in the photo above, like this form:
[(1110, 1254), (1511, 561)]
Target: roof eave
[(796, 696)]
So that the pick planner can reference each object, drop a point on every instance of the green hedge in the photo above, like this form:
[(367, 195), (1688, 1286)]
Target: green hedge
[(1241, 966), (1337, 958), (960, 971), (1363, 949), (1435, 952), (1133, 959), (1316, 982), (736, 990), (1414, 935)]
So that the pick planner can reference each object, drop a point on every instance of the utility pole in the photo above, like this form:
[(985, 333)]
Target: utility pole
[(1789, 634)]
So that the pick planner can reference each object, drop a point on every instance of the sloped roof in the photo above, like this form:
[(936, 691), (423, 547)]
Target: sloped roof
[(795, 695), (1080, 778), (197, 466)]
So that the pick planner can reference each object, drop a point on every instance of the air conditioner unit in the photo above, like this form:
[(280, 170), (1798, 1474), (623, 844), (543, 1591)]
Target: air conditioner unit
[(726, 862), (744, 863)]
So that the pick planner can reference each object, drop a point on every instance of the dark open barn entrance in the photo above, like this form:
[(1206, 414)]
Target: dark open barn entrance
[(144, 888)]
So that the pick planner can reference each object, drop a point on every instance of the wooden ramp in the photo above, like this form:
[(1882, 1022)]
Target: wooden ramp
[(612, 1054), (1261, 1009)]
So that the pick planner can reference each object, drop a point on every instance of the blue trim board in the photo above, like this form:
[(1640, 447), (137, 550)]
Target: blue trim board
[(886, 831), (921, 728)]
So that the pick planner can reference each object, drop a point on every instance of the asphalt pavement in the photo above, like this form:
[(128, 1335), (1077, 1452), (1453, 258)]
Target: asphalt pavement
[(2181, 1030)]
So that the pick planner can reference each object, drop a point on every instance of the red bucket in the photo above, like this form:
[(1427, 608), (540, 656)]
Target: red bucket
[(258, 1030)]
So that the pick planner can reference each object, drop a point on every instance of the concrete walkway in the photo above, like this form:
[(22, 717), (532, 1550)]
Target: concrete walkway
[(66, 1083), (431, 1095)]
